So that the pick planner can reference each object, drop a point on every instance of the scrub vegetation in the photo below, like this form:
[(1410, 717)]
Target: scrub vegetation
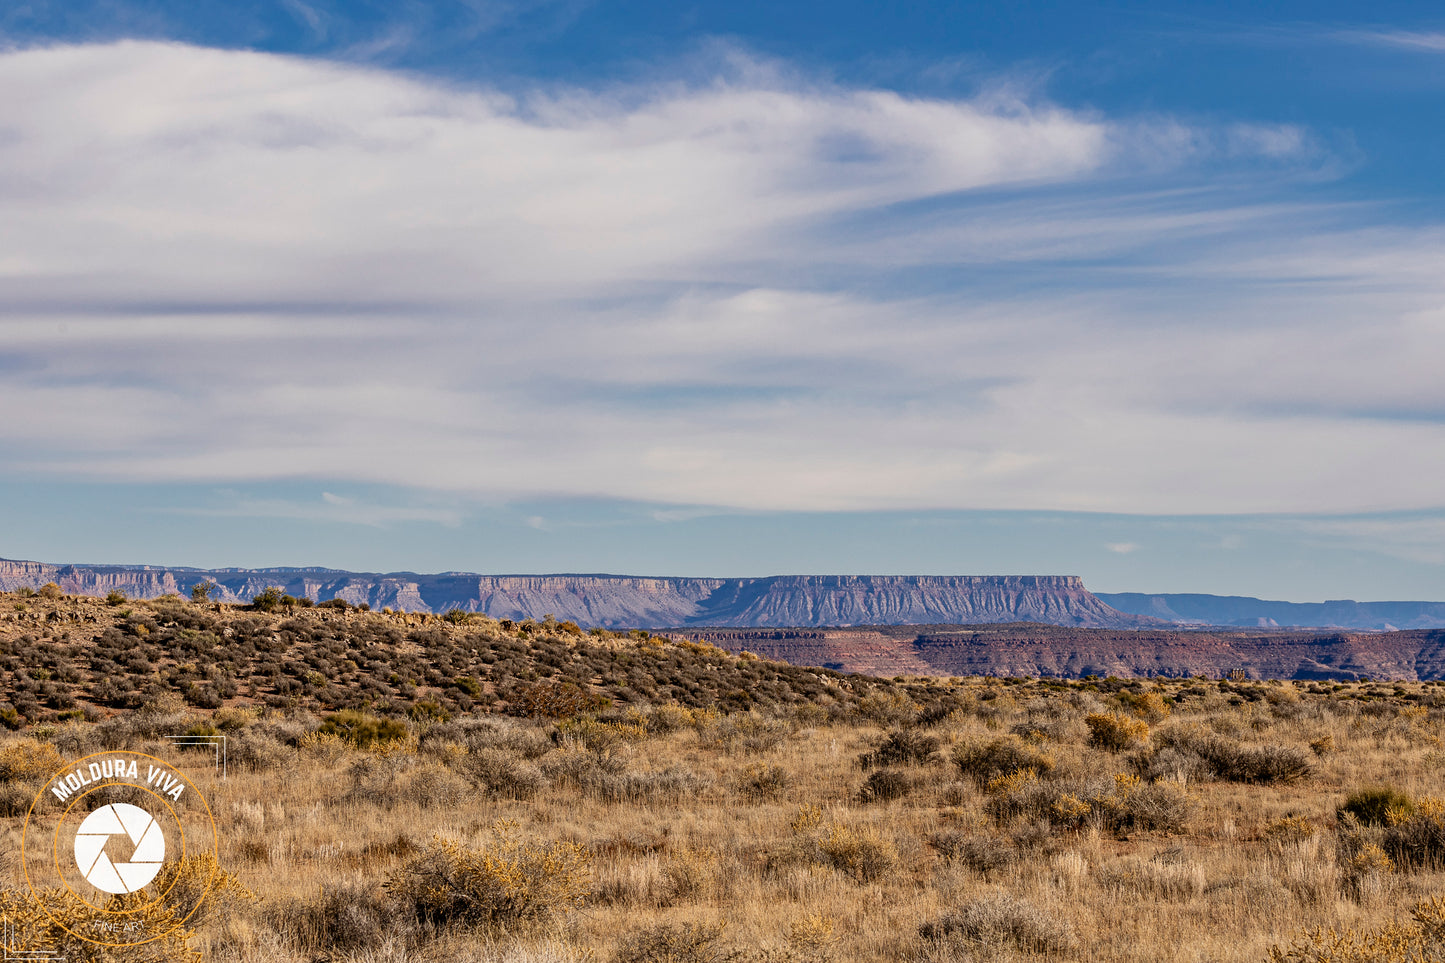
[(456, 788)]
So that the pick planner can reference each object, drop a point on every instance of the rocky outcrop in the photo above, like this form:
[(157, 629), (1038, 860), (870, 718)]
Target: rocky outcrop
[(627, 601)]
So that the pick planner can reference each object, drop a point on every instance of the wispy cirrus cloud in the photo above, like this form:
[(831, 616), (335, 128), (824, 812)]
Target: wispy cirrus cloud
[(754, 292), (1421, 40), (328, 508)]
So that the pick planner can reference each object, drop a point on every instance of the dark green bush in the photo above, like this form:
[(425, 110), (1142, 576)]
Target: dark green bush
[(268, 600), (1378, 806), (885, 785), (901, 747), (987, 761), (363, 730)]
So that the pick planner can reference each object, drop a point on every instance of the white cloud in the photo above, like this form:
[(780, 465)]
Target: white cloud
[(331, 508), (1123, 548), (1413, 538), (1408, 39), (229, 266)]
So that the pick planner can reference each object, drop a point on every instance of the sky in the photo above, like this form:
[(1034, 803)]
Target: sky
[(1149, 293)]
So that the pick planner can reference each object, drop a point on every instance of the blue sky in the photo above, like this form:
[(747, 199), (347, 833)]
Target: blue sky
[(1148, 293)]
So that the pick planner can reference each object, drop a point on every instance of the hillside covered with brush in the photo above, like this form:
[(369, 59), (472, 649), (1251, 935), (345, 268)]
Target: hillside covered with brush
[(73, 656)]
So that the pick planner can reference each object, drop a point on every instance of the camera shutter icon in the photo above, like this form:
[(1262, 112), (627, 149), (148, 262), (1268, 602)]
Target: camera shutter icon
[(145, 836)]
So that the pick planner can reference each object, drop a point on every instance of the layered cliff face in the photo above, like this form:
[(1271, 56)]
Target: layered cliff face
[(626, 601), (809, 600), (1045, 650)]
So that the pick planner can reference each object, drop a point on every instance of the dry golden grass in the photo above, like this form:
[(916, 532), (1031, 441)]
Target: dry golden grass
[(679, 834)]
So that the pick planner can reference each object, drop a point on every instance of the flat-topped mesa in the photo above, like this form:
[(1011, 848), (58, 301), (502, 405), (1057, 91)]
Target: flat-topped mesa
[(813, 600), (629, 601)]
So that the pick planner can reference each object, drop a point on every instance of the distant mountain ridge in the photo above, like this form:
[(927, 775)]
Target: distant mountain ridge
[(1236, 610), (629, 601)]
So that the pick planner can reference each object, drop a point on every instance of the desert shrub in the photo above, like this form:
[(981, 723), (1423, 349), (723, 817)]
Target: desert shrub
[(599, 736), (258, 751), (1000, 757), (669, 784), (940, 710), (688, 875), (1120, 804), (954, 793), (15, 800), (1378, 806), (1362, 861), (436, 785), (605, 777), (1115, 732), (982, 854), (1019, 793), (1289, 829), (428, 711), (1421, 939), (814, 934), (553, 700), (341, 917), (1000, 921), (50, 591), (362, 730), (28, 759), (902, 747), (669, 718), (114, 598), (195, 885), (888, 708), (761, 781), (1149, 706), (758, 735), (1037, 729), (861, 854), (579, 768), (1171, 764), (516, 738), (1240, 762), (1260, 764), (267, 600), (377, 783), (1416, 841), (34, 933), (885, 785), (672, 943), (502, 775), (509, 882), (1159, 807)]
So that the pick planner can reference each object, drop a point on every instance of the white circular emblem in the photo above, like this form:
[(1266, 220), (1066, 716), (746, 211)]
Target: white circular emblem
[(120, 819)]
